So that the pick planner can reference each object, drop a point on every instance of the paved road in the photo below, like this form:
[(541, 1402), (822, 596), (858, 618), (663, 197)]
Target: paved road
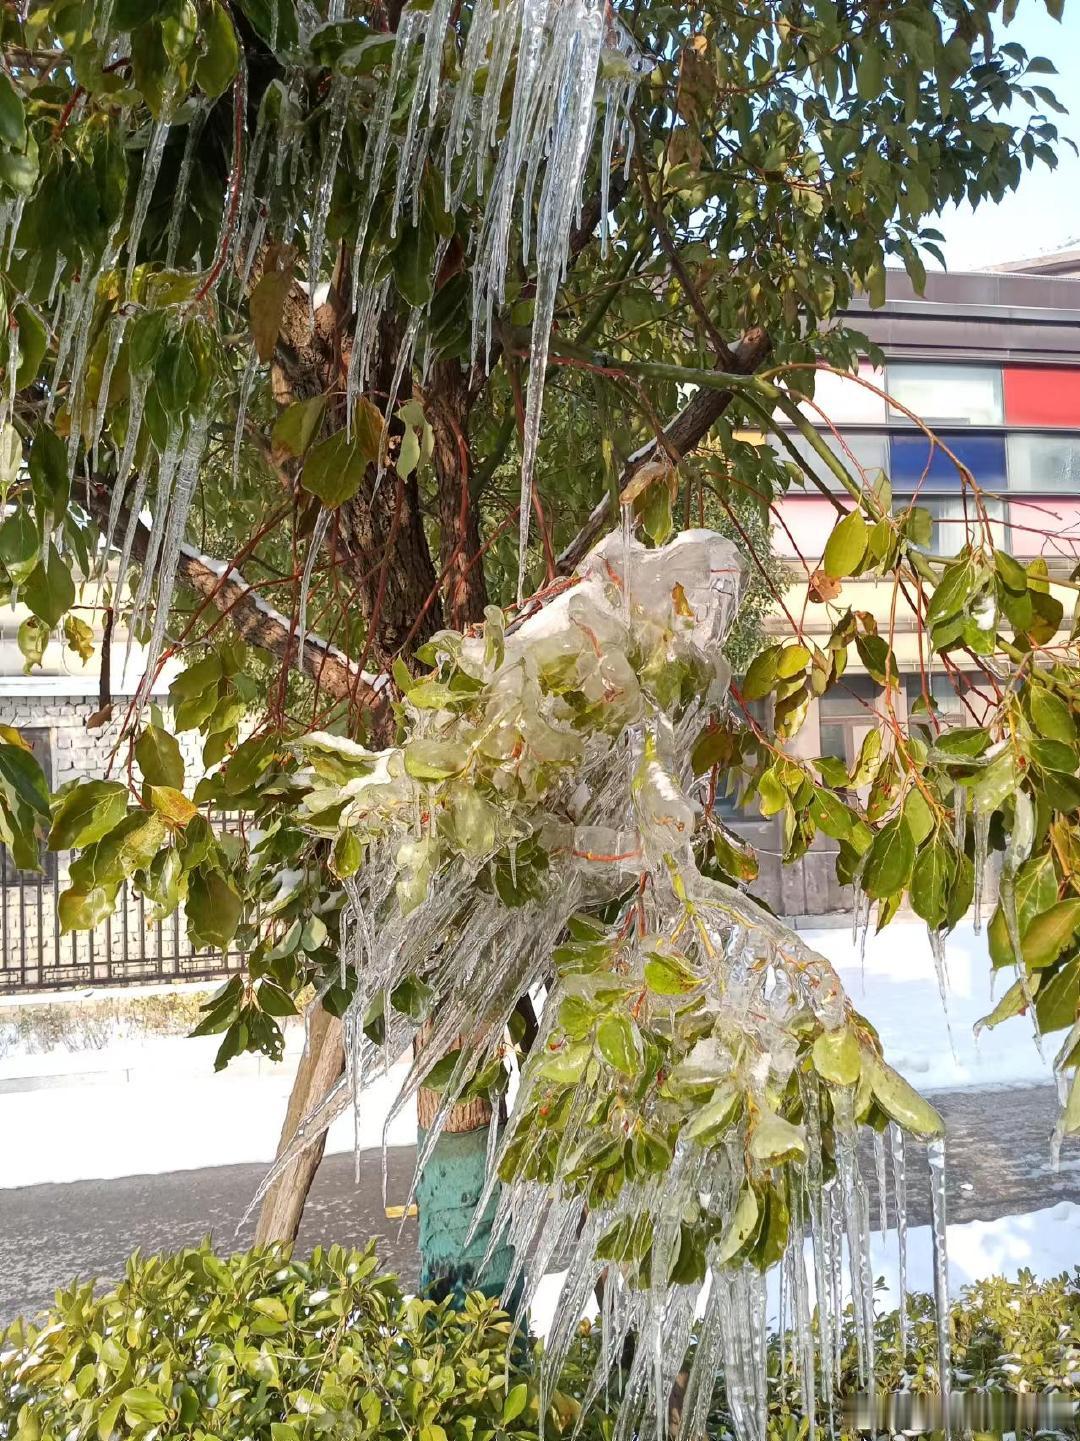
[(999, 1163)]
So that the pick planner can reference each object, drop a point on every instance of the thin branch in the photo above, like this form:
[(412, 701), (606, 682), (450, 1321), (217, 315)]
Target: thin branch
[(250, 616)]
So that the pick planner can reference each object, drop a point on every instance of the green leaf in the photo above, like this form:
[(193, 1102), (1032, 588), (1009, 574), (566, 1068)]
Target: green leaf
[(901, 1102), (710, 1122), (775, 1140), (334, 469), (413, 262), (20, 545), (265, 307), (761, 674), (888, 861), (837, 1057), (1049, 933), (515, 1402), (49, 472), (742, 1229), (141, 1404), (869, 77), (619, 1042), (297, 425), (33, 342), (1052, 718), (1035, 889), (219, 61), (80, 910), (845, 547), (213, 910), (159, 758), (930, 879), (668, 976), (435, 760), (12, 118), (951, 592), (86, 813), (19, 170), (50, 591), (567, 1066)]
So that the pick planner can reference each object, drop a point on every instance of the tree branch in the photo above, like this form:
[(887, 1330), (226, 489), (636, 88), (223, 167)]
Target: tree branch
[(250, 616), (683, 433)]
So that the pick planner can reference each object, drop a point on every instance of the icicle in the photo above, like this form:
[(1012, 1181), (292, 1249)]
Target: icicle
[(982, 817), (340, 92), (935, 1155), (183, 179), (117, 325), (879, 1174), (896, 1143), (318, 535), (247, 385), (147, 180), (959, 817), (936, 938), (183, 489)]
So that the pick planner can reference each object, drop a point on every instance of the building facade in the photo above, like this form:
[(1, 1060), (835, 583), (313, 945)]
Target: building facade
[(990, 362)]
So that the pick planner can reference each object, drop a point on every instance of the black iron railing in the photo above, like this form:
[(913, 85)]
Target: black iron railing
[(130, 948)]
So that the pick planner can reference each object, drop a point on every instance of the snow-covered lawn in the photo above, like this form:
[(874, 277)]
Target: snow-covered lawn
[(154, 1105)]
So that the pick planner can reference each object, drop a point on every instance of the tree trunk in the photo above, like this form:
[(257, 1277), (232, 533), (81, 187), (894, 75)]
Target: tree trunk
[(320, 1066)]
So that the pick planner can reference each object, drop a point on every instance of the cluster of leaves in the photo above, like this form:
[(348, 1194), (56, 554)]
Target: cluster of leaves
[(639, 1053), (263, 1345), (266, 1346)]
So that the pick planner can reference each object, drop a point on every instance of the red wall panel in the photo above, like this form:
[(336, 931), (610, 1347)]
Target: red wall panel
[(1041, 395)]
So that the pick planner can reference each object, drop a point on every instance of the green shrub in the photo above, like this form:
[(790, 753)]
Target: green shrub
[(264, 1346)]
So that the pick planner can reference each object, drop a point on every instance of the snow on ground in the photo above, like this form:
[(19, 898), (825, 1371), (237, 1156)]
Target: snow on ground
[(156, 1105), (153, 1104), (896, 988), (1045, 1242)]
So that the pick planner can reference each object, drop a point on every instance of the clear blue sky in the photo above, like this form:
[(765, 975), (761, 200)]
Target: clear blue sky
[(1044, 213)]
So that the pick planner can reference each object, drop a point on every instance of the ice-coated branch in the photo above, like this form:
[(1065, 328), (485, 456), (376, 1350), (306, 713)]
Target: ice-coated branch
[(252, 617)]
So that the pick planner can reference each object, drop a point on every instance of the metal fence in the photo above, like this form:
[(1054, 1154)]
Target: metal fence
[(129, 948)]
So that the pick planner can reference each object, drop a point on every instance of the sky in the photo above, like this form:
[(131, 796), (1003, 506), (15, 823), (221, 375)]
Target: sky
[(1044, 213)]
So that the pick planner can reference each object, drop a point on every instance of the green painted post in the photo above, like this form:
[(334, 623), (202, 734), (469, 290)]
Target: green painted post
[(450, 1188)]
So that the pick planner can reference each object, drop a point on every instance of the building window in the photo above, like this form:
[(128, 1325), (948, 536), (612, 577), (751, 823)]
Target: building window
[(845, 714), (946, 394), (864, 456), (1044, 464), (916, 463), (957, 522), (1041, 395), (962, 698), (843, 400)]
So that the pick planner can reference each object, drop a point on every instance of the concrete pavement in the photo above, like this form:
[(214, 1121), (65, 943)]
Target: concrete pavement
[(998, 1164)]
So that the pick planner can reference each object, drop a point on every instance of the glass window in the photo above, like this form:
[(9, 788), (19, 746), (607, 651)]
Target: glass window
[(960, 700), (844, 401), (915, 463), (863, 455), (956, 522), (1047, 464), (946, 394), (1041, 395), (845, 714)]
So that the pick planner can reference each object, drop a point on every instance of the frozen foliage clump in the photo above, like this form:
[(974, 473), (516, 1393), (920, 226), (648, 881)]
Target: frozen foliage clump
[(690, 1109)]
